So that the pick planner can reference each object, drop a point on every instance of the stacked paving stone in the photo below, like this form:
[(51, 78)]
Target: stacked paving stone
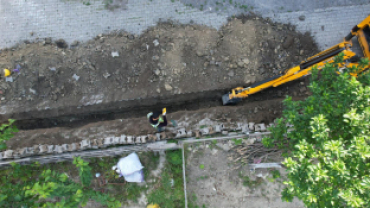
[(198, 131)]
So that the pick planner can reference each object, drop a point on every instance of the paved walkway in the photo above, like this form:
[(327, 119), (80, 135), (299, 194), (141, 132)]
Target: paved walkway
[(329, 26), (74, 20)]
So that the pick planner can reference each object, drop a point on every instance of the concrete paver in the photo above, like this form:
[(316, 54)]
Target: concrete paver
[(72, 20)]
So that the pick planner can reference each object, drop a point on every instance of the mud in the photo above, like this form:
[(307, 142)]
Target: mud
[(124, 74)]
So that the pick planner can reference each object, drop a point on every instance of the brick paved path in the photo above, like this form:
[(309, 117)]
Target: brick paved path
[(72, 20)]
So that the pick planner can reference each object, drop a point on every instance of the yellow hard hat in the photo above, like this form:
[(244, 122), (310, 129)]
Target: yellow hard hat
[(6, 72), (153, 206)]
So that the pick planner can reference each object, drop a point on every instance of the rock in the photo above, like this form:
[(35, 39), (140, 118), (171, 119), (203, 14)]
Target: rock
[(131, 37), (51, 148), (263, 127), (226, 58), (32, 91), (122, 139), (302, 89), (115, 54), (54, 97), (9, 79), (157, 72), (249, 141), (61, 43), (245, 61), (47, 41), (199, 53), (245, 128), (197, 134), (75, 77), (155, 58), (144, 139), (108, 141), (301, 52), (169, 47), (155, 42), (231, 73), (168, 87), (218, 128), (130, 139), (205, 131), (23, 152), (43, 149), (163, 135), (182, 133), (255, 110), (72, 147), (262, 70), (75, 43), (106, 75), (85, 143), (58, 149), (225, 147), (240, 64), (158, 136), (116, 140), (288, 42), (225, 132), (8, 154), (302, 17), (206, 64), (158, 90), (65, 147), (138, 140)]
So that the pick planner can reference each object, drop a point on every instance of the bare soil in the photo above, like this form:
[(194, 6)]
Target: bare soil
[(256, 111), (121, 71), (214, 180)]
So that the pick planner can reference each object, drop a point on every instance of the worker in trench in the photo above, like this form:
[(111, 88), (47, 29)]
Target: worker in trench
[(158, 119)]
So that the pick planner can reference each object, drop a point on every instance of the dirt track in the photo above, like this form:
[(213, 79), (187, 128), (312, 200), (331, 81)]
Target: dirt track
[(85, 81)]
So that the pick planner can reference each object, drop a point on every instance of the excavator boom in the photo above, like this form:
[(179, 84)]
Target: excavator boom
[(362, 31)]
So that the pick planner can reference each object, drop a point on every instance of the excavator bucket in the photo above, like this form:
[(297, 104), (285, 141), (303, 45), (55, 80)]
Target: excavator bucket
[(227, 101)]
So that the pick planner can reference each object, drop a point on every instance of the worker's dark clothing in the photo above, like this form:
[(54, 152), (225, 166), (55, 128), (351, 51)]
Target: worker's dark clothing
[(160, 122)]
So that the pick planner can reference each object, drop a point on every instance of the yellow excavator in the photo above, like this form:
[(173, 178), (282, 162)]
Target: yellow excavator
[(361, 31)]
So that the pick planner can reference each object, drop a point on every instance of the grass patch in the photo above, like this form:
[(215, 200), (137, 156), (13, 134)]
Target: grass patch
[(169, 190), (201, 166), (237, 141), (275, 174), (122, 192), (250, 183)]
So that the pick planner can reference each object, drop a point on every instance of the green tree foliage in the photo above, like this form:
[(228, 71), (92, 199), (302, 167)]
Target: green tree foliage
[(6, 132), (327, 150), (22, 188)]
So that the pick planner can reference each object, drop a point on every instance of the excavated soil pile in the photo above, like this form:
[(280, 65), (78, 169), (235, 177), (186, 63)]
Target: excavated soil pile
[(122, 70)]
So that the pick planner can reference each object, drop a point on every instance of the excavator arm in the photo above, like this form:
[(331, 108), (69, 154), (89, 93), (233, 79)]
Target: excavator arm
[(362, 31)]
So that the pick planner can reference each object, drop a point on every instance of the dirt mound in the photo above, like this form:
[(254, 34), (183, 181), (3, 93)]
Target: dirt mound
[(165, 60)]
